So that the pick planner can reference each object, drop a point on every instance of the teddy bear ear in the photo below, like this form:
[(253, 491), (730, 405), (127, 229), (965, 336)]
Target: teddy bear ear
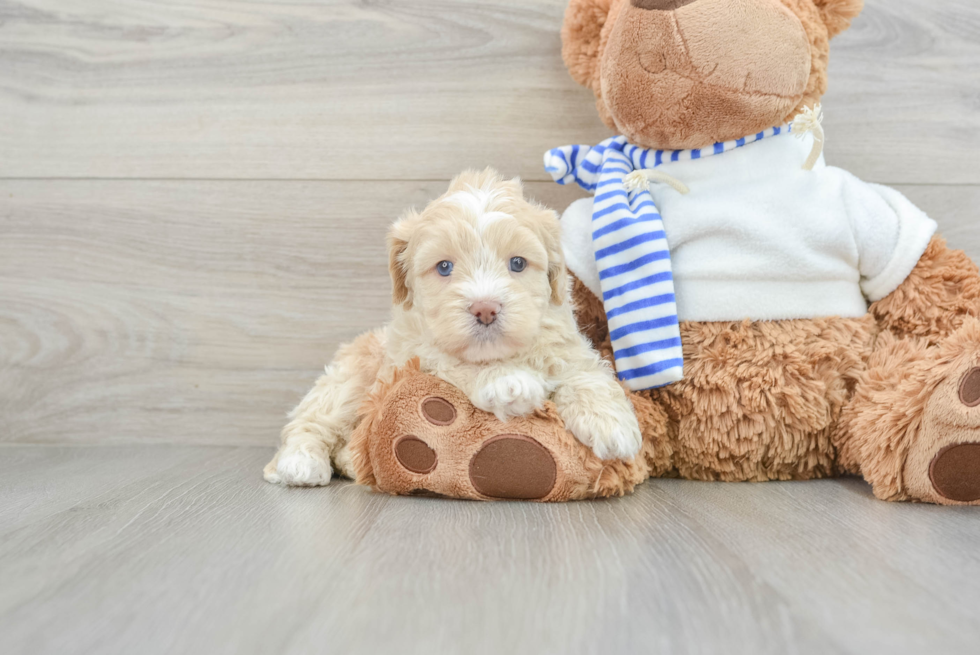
[(580, 37), (838, 14)]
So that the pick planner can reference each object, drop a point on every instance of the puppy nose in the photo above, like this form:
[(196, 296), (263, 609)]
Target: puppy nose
[(660, 5), (485, 312)]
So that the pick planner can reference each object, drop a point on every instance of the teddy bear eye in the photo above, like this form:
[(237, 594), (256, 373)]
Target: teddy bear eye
[(445, 268), (518, 264)]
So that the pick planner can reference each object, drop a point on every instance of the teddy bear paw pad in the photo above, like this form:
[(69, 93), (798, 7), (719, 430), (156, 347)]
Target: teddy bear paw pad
[(415, 455), (515, 467), (438, 411), (955, 472), (951, 431), (970, 388)]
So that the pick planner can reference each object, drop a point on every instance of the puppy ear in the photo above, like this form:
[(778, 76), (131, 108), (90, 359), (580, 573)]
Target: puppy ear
[(397, 239), (558, 276), (581, 34), (838, 14), (546, 226), (557, 271)]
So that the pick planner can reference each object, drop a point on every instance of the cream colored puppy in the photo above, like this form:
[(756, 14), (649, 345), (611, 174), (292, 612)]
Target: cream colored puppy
[(481, 297)]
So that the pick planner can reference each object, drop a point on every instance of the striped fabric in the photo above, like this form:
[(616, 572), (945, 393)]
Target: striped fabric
[(632, 253)]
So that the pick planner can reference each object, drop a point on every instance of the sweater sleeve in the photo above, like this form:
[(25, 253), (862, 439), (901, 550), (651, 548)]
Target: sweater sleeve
[(890, 232)]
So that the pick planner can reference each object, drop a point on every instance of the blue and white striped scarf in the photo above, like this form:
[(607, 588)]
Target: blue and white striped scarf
[(632, 253)]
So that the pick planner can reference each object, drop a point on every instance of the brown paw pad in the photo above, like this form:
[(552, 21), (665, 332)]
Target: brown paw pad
[(955, 471), (970, 388), (515, 467), (438, 411), (415, 455)]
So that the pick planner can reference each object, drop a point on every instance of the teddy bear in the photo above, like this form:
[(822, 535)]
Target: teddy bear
[(825, 328), (773, 317)]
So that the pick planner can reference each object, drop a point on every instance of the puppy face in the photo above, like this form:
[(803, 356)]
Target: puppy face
[(480, 266)]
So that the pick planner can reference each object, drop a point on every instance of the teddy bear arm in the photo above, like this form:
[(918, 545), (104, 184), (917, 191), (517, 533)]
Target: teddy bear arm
[(941, 291)]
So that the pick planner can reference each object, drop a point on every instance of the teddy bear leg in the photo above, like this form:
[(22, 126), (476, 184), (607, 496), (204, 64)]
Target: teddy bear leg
[(912, 428), (422, 436), (760, 400), (322, 424)]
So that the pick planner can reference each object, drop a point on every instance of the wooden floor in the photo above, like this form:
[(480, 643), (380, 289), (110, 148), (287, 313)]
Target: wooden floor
[(163, 549), (193, 200)]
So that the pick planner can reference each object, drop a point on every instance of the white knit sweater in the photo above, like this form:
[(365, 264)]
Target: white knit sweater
[(760, 238)]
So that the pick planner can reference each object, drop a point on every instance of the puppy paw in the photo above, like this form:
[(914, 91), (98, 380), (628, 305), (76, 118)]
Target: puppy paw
[(516, 394), (297, 467), (611, 432)]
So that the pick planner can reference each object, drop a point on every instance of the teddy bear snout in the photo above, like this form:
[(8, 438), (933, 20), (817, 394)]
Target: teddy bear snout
[(669, 64), (660, 5)]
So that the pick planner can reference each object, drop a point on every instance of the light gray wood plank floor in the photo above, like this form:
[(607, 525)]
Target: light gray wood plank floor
[(161, 549), (193, 200)]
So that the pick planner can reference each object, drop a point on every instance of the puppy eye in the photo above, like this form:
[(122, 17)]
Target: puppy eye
[(518, 264), (444, 268)]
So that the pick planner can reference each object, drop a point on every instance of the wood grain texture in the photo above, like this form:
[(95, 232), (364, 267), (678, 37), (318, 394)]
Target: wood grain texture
[(420, 89), (187, 550), (196, 312), (200, 312)]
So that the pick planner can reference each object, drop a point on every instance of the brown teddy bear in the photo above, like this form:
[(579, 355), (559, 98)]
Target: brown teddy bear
[(891, 393), (775, 317)]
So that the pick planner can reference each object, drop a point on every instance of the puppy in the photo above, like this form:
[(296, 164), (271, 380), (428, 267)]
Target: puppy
[(481, 297)]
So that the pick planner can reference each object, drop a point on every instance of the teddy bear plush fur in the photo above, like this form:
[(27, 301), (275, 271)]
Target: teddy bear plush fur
[(893, 396)]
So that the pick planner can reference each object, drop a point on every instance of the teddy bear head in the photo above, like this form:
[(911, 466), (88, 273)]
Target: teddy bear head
[(677, 74)]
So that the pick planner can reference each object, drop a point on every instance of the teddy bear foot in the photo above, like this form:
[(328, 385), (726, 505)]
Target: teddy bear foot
[(447, 448), (508, 466), (944, 464), (422, 436)]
